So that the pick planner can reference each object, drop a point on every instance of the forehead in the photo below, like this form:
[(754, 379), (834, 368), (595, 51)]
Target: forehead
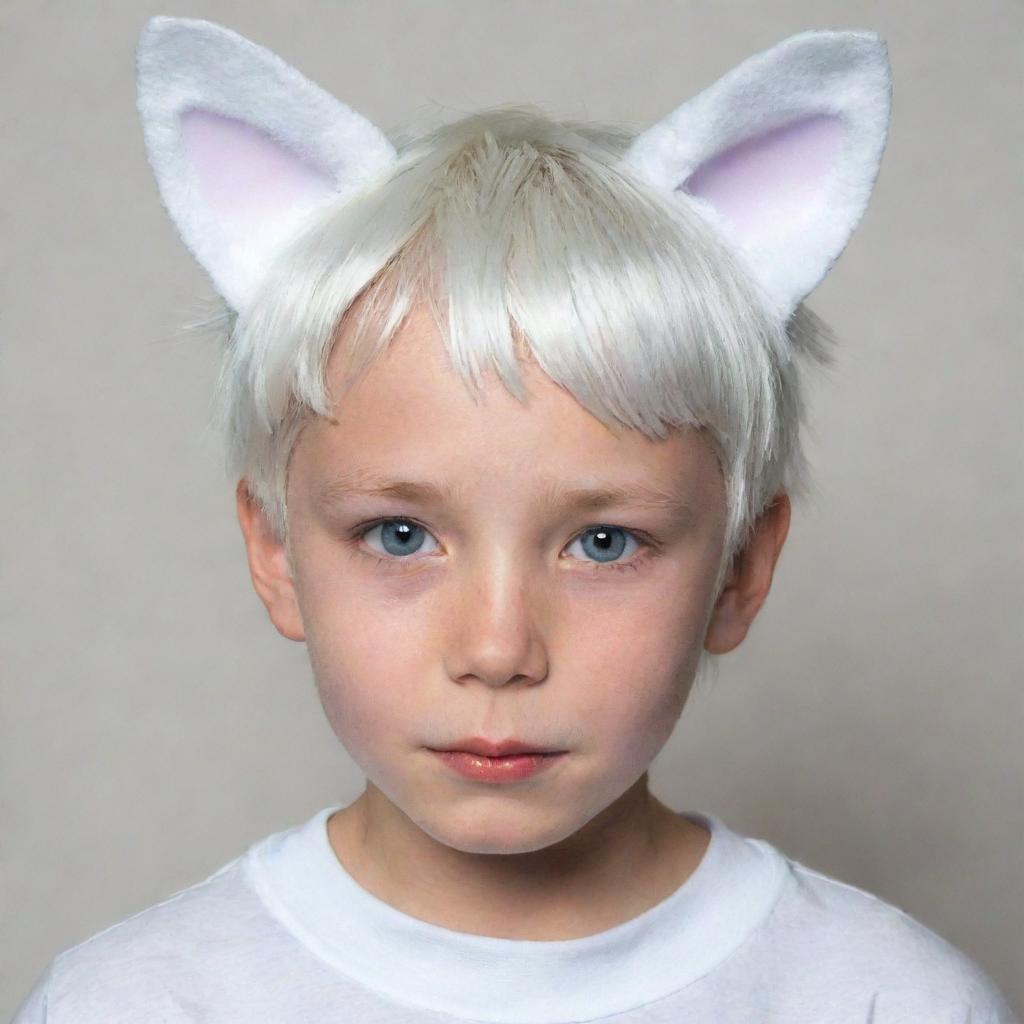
[(411, 417)]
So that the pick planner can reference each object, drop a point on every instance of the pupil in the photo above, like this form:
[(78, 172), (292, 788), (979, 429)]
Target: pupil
[(606, 540), (397, 535)]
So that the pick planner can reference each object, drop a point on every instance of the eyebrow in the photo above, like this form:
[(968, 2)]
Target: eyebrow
[(636, 493)]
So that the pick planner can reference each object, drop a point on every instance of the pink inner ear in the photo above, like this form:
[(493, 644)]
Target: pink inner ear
[(246, 178), (766, 186)]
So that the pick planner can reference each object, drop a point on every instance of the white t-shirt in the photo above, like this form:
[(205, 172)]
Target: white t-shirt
[(284, 934)]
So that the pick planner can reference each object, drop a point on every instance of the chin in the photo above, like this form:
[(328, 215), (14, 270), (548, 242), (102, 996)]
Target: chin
[(497, 831)]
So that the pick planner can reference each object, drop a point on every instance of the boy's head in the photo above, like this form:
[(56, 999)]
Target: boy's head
[(515, 601), (509, 309)]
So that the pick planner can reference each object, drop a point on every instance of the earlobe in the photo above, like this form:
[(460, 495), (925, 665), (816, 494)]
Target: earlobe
[(268, 566), (750, 579)]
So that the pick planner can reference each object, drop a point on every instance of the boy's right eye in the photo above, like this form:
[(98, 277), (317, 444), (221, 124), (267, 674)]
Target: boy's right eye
[(398, 536)]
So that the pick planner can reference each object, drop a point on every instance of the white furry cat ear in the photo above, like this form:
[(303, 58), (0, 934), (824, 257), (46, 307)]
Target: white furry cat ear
[(243, 147), (780, 154)]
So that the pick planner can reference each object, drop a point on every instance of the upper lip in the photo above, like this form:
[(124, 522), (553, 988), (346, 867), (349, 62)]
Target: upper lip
[(501, 748)]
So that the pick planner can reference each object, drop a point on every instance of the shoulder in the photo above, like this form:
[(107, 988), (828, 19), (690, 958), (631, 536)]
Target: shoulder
[(145, 965), (905, 970)]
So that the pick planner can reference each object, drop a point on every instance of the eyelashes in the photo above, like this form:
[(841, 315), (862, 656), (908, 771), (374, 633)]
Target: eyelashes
[(646, 547)]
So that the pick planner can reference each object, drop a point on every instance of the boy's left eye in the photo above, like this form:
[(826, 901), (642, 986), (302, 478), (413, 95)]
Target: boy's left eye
[(605, 543)]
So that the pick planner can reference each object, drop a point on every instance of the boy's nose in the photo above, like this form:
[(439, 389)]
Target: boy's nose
[(496, 630)]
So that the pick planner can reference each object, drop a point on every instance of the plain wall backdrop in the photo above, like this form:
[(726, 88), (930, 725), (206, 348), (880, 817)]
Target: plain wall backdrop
[(154, 723)]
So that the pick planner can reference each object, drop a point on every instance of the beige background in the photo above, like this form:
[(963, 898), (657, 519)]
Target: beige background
[(154, 723)]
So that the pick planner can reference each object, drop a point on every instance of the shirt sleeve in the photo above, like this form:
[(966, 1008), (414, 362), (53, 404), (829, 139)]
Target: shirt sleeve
[(34, 1010), (996, 1010), (984, 1006)]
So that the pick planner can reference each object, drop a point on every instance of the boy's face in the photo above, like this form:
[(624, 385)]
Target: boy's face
[(500, 611)]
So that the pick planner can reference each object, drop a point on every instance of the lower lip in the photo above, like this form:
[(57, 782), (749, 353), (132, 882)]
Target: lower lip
[(496, 769)]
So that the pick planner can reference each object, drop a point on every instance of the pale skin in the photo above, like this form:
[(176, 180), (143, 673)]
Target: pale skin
[(500, 619)]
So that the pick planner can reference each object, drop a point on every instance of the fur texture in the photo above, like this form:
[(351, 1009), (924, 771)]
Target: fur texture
[(781, 154), (243, 147)]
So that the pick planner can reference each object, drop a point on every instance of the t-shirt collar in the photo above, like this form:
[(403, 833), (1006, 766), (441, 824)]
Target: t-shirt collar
[(305, 886)]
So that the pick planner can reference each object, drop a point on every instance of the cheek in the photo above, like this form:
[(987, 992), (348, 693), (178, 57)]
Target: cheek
[(366, 681), (629, 716), (635, 669)]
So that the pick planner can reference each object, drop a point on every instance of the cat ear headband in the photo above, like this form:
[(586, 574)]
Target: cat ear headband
[(779, 155)]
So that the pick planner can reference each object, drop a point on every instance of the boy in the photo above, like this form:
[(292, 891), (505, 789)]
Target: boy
[(514, 415)]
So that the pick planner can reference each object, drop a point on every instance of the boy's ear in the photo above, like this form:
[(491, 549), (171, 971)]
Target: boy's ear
[(268, 566), (780, 155), (750, 578), (243, 147)]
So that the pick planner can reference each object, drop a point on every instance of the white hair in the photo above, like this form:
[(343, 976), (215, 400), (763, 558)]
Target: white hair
[(517, 229)]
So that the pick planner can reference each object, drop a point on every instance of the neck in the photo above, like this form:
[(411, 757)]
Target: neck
[(626, 859)]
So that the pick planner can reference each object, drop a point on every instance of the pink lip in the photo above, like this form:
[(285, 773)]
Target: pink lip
[(498, 748), (481, 768)]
